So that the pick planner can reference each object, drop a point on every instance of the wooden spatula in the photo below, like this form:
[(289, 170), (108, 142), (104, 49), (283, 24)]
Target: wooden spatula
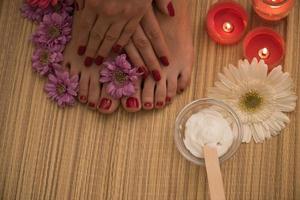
[(214, 176)]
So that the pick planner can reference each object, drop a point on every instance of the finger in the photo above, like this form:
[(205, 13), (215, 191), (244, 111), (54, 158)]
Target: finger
[(155, 35), (144, 47), (111, 37), (96, 36), (166, 7), (136, 59), (126, 34), (87, 21)]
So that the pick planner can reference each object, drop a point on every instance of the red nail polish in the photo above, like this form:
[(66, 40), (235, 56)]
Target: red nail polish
[(168, 99), (117, 48), (132, 102), (159, 104), (105, 104), (81, 50), (171, 10), (148, 105), (156, 75), (91, 105), (99, 60), (144, 72), (88, 61), (164, 60), (83, 98)]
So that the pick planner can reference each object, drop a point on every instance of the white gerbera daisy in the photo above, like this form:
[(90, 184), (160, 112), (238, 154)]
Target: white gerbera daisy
[(259, 99)]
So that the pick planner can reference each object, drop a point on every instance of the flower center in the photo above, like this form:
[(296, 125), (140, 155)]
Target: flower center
[(251, 101), (60, 89), (53, 32), (120, 77), (44, 58)]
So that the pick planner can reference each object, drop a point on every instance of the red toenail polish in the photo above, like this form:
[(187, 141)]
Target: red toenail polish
[(83, 98), (164, 60), (156, 75), (99, 60), (148, 105), (132, 102), (91, 105), (105, 104), (159, 104), (168, 99), (171, 10), (81, 50), (117, 48), (88, 61)]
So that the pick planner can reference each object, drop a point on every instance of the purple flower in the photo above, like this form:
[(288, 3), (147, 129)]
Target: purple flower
[(34, 14), (54, 32), (45, 61), (120, 77), (64, 6), (62, 88)]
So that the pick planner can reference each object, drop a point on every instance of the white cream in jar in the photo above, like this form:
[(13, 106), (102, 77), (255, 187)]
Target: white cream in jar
[(207, 127)]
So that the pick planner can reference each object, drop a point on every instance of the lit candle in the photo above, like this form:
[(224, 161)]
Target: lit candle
[(273, 9), (264, 43), (226, 22)]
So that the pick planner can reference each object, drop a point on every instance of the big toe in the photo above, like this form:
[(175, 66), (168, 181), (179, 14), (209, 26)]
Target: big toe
[(133, 103), (107, 104)]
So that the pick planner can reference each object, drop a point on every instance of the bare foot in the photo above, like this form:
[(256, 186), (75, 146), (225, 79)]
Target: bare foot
[(90, 91), (176, 77)]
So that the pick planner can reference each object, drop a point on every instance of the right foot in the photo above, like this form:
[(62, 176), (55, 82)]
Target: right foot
[(90, 91)]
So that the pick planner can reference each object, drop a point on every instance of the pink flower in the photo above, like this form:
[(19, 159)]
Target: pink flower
[(120, 77), (42, 3), (62, 88)]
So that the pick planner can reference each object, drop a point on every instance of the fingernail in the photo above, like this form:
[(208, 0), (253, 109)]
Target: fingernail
[(159, 104), (164, 60), (91, 105), (81, 50), (132, 102), (88, 61), (168, 99), (99, 60), (156, 75), (148, 105), (143, 71), (171, 9), (117, 48), (105, 104), (83, 98)]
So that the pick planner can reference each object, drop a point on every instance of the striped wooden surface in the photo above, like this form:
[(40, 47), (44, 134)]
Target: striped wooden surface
[(51, 153)]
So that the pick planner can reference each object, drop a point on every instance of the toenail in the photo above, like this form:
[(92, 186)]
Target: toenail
[(81, 50), (88, 61), (91, 105), (159, 104), (156, 75), (164, 60), (168, 99), (148, 105), (117, 48), (171, 9), (132, 102), (83, 98), (105, 104), (99, 60)]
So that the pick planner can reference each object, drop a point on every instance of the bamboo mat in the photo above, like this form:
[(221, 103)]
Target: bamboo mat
[(52, 153)]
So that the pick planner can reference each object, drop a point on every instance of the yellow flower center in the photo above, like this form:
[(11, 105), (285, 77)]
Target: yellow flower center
[(60, 89), (120, 77), (53, 31), (44, 57), (251, 101)]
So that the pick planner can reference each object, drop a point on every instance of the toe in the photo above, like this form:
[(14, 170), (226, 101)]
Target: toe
[(171, 88), (94, 89), (83, 87), (133, 103), (148, 93), (160, 93), (106, 103), (184, 80)]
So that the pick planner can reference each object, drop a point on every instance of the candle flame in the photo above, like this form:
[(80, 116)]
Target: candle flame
[(228, 27), (264, 53)]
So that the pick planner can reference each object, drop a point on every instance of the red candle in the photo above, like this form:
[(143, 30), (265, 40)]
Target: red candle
[(264, 43), (226, 22), (273, 9)]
